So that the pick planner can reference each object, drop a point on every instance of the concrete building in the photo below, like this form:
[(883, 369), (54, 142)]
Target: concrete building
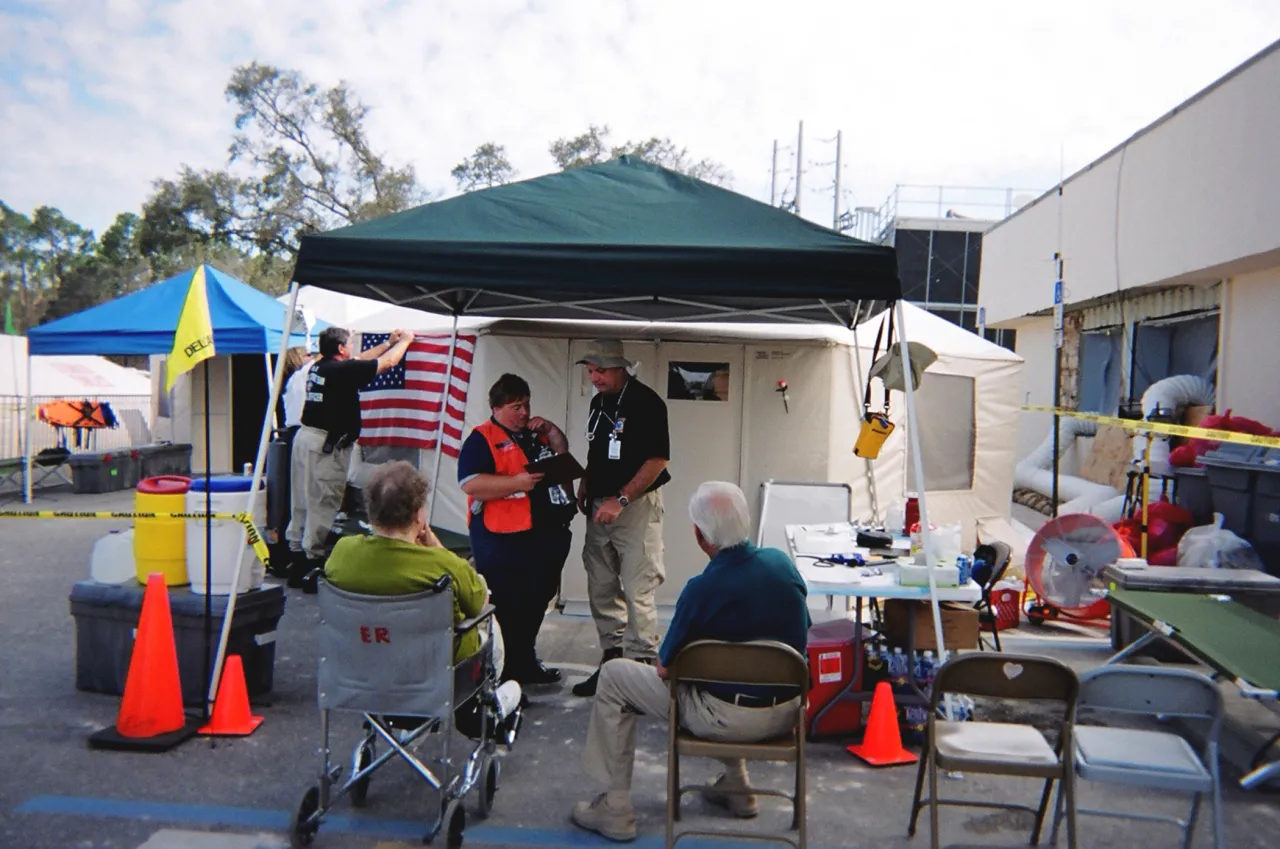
[(1171, 260)]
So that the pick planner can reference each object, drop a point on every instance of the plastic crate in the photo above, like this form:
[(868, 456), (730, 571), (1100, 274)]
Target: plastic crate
[(106, 618), (163, 458), (106, 471), (1006, 603), (1231, 478)]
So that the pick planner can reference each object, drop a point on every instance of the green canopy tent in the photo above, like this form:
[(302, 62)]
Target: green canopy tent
[(620, 240)]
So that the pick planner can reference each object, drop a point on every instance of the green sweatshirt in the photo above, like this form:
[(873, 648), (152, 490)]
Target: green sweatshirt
[(377, 565)]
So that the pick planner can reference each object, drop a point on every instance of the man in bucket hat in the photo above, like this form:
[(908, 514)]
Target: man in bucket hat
[(628, 446)]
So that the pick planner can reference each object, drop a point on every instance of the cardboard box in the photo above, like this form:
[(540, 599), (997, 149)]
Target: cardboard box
[(959, 624)]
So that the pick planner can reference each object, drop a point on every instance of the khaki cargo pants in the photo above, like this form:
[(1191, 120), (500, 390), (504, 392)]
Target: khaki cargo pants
[(319, 481), (624, 570)]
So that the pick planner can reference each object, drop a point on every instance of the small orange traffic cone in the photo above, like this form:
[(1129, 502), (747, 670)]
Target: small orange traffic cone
[(882, 744), (231, 715), (151, 717)]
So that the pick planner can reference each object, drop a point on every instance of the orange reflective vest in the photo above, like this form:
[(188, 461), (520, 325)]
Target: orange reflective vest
[(512, 514)]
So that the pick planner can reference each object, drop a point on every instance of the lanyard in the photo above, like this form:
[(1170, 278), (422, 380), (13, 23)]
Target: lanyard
[(595, 420)]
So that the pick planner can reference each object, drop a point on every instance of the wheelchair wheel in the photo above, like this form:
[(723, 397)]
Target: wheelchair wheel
[(488, 785), (302, 832), (360, 789), (453, 821)]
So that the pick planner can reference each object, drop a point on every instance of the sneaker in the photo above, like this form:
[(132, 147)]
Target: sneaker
[(615, 823), (587, 689), (742, 806)]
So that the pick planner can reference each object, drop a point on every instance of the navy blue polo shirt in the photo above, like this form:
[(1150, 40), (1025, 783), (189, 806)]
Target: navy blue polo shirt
[(744, 593)]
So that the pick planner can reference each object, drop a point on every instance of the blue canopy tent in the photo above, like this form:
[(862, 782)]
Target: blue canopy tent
[(245, 321)]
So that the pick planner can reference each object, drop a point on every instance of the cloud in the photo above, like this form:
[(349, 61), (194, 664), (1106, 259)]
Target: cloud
[(100, 97)]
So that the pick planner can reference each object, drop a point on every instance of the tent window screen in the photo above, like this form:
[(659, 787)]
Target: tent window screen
[(1101, 355), (945, 412), (1167, 347), (696, 381)]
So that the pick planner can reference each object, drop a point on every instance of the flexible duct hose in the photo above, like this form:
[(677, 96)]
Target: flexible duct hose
[(1035, 471), (1181, 390)]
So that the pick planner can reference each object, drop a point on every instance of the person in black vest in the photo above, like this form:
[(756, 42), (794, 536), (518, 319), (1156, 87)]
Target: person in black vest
[(322, 446)]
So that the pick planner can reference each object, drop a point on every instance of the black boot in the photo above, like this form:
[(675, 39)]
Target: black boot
[(311, 580), (587, 689), (297, 569)]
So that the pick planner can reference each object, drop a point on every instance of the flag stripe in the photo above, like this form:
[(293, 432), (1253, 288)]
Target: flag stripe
[(404, 406)]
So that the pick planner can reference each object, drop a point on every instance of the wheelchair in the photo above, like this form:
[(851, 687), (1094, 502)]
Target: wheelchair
[(390, 658)]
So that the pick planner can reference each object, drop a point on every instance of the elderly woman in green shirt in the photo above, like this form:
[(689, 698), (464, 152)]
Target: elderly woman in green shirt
[(403, 556)]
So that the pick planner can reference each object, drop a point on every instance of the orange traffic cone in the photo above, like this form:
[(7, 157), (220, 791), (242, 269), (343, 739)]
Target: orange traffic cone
[(231, 716), (882, 744), (151, 716)]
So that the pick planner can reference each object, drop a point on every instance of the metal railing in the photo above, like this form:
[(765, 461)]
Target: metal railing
[(132, 412), (982, 203)]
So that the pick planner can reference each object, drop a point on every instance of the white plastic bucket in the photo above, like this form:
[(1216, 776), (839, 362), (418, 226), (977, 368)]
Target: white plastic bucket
[(112, 558), (230, 495)]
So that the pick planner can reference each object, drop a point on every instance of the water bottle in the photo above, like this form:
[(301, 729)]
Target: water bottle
[(916, 720), (873, 669), (899, 671), (928, 668), (964, 566)]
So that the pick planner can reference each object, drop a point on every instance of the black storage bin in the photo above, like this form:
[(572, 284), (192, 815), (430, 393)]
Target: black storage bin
[(107, 615), (279, 492), (164, 458), (1265, 519), (105, 471), (1192, 493), (1231, 481)]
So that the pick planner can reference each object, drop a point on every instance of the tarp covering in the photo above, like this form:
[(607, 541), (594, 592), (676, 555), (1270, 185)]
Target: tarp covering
[(624, 239), (245, 321)]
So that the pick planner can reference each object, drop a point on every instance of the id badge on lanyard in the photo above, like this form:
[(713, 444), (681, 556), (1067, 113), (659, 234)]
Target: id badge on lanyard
[(615, 448)]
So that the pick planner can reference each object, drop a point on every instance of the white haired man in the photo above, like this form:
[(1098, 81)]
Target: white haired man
[(744, 593)]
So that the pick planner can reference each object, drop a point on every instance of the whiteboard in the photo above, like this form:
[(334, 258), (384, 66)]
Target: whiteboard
[(785, 503)]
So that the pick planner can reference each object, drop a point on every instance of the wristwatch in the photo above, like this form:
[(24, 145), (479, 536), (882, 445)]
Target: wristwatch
[(623, 500)]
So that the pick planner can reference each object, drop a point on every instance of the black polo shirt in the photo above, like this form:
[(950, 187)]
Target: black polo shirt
[(333, 395), (637, 418)]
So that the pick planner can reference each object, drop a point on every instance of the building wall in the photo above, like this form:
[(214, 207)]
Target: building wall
[(1192, 198), (1035, 346), (1249, 346)]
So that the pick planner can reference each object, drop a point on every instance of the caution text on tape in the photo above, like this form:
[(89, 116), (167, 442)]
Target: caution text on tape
[(1139, 426), (250, 530)]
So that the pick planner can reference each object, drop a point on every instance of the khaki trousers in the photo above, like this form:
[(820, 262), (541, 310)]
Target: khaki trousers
[(319, 481), (629, 688), (624, 570)]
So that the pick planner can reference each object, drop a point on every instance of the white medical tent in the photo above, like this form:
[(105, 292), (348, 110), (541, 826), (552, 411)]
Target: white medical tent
[(968, 403)]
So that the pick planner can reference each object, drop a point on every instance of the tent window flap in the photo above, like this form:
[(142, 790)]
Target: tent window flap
[(945, 412)]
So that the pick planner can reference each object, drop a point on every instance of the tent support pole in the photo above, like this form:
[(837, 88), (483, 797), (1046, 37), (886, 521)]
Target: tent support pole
[(266, 361), (913, 433), (277, 378), (26, 432), (444, 404)]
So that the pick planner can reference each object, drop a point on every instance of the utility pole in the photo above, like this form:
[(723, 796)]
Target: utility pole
[(773, 177), (799, 165), (835, 214)]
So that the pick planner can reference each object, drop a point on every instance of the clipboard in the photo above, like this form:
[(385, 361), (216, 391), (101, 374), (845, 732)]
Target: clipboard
[(560, 469)]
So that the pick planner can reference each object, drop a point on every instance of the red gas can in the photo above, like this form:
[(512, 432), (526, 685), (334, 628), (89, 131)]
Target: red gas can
[(831, 670)]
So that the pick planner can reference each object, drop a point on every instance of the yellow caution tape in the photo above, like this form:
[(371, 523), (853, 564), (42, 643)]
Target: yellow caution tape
[(1139, 426), (250, 530)]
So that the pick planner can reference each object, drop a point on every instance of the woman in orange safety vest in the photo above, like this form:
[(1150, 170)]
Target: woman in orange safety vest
[(519, 526)]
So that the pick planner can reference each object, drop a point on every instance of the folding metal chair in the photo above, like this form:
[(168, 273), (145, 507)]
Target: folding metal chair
[(1159, 760), (997, 556), (759, 662), (999, 748)]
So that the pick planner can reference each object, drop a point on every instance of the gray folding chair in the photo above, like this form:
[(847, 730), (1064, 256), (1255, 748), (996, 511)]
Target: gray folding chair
[(999, 748), (1159, 760), (756, 662)]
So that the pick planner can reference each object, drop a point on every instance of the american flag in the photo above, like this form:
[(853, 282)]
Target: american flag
[(402, 405)]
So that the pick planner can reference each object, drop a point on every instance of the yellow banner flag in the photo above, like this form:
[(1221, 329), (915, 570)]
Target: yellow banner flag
[(193, 341)]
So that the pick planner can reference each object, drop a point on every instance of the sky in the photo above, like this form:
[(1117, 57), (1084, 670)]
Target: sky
[(99, 98)]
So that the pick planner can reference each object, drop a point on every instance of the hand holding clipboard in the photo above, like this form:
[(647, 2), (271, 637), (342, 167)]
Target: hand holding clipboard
[(560, 469)]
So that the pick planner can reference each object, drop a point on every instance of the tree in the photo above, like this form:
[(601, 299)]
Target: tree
[(594, 146), (484, 169), (311, 164)]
